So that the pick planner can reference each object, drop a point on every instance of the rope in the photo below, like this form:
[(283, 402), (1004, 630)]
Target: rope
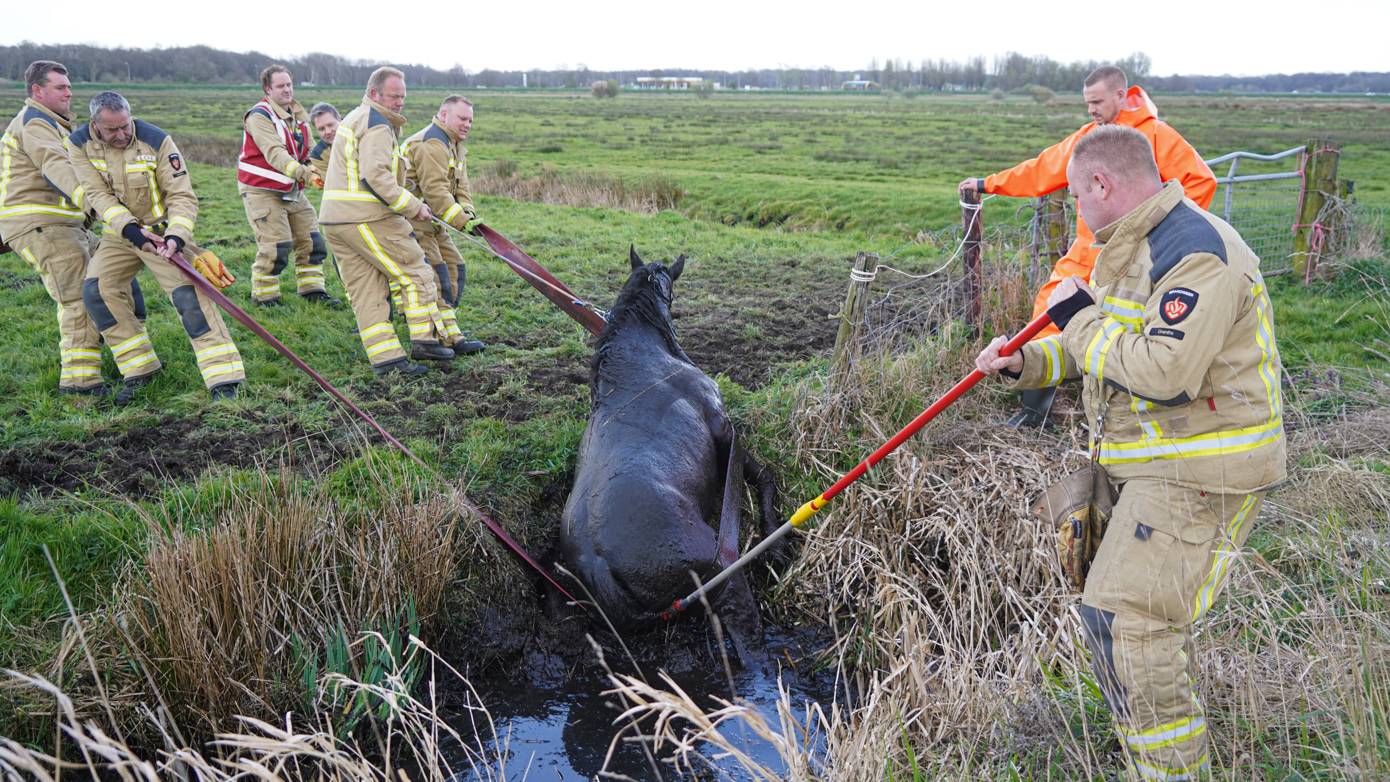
[(960, 246), (864, 275)]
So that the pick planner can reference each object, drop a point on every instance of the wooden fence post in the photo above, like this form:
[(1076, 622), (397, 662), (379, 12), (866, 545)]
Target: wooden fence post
[(852, 313), (1319, 182), (971, 220)]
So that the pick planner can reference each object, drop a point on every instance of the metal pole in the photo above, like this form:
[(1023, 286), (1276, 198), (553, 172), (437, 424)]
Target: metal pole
[(805, 512)]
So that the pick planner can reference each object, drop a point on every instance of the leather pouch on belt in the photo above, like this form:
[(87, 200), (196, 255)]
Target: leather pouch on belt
[(1078, 508)]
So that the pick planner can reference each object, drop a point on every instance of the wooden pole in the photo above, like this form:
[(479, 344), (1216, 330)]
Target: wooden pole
[(1057, 232), (1319, 182), (971, 220), (852, 313)]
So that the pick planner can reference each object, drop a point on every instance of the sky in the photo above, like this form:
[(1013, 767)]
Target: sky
[(1179, 36)]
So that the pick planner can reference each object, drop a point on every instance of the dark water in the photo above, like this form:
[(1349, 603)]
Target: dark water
[(560, 726)]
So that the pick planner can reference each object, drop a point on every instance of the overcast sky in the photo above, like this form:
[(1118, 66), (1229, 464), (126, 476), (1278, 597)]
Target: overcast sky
[(1181, 37)]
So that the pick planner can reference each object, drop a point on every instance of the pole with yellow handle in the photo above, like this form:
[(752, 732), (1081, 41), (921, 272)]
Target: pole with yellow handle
[(805, 512)]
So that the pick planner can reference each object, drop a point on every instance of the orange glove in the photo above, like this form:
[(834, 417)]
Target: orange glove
[(315, 179), (210, 266)]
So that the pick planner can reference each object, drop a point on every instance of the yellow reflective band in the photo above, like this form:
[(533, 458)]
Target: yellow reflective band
[(1055, 368), (40, 209), (112, 212), (291, 168), (131, 343), (1151, 771), (1264, 336), (451, 212), (350, 156), (1222, 559), (98, 164), (182, 222), (1126, 311), (1167, 735), (218, 370), (29, 256), (1210, 444), (10, 140), (391, 267), (78, 194), (157, 204), (401, 201), (376, 330), (224, 349), (80, 353), (82, 371), (1100, 347), (139, 361), (347, 195), (316, 268), (382, 347)]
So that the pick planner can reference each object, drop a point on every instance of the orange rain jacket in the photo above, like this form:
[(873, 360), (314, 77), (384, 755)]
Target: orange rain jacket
[(1048, 172)]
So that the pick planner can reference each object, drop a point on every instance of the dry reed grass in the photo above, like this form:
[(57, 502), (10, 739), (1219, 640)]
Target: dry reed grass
[(647, 195)]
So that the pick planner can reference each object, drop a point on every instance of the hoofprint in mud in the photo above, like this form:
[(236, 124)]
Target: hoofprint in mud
[(658, 461)]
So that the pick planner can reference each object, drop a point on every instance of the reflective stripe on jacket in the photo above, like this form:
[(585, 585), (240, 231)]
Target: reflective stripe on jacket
[(37, 184), (365, 181), (1179, 350)]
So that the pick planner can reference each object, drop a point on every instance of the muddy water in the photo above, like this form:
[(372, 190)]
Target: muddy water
[(558, 725)]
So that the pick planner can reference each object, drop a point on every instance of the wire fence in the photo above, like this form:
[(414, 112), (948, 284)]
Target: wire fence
[(1259, 196)]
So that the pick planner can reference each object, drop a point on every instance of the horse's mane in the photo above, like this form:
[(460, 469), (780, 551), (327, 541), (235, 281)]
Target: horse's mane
[(638, 302)]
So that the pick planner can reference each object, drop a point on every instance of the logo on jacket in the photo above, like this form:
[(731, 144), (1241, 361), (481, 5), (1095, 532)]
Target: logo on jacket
[(175, 162), (1177, 304)]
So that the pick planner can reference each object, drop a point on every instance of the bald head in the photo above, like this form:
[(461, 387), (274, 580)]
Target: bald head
[(1112, 170)]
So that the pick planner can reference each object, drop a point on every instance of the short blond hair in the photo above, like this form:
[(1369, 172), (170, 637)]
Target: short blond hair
[(1120, 151), (452, 99), (377, 80)]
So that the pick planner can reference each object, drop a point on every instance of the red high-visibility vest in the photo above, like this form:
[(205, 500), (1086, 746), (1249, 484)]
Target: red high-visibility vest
[(252, 167)]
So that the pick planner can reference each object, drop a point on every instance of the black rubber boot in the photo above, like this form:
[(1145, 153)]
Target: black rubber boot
[(399, 367), (1035, 404), (98, 391), (464, 347), (226, 390), (127, 393), (319, 297), (430, 351), (268, 303)]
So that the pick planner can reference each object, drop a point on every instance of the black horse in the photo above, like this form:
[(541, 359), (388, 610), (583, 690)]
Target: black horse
[(659, 461)]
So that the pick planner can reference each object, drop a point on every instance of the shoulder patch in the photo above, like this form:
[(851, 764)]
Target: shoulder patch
[(150, 134), (1182, 233), (436, 133), (375, 118), (319, 149), (81, 136), (31, 114), (1177, 304)]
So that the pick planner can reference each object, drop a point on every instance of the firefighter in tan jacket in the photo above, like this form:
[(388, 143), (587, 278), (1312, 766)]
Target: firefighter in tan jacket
[(436, 173), (365, 206), (41, 211), (272, 172), (137, 181), (1180, 380)]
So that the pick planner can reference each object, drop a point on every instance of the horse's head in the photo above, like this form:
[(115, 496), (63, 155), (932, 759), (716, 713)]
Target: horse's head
[(650, 279)]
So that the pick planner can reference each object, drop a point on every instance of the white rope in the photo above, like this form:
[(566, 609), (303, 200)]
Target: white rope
[(974, 217), (863, 275)]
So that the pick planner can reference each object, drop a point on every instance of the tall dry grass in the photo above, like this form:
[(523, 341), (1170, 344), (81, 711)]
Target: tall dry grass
[(649, 194)]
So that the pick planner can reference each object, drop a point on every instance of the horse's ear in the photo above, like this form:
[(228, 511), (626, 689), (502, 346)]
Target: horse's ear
[(632, 257), (677, 268)]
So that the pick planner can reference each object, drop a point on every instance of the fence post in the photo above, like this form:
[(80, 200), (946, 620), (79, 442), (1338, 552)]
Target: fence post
[(1319, 182), (852, 313), (1056, 231), (971, 219)]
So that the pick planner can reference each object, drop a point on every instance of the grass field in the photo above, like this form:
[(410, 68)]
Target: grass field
[(780, 192)]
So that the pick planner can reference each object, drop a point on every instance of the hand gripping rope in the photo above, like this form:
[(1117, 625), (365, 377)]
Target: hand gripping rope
[(586, 314), (805, 512), (241, 317)]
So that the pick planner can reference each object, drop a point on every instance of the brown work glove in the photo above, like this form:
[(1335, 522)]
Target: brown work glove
[(210, 266)]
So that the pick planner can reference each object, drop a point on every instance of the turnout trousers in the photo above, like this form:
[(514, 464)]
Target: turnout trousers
[(373, 257), (112, 268), (59, 254), (450, 274), (1161, 565), (281, 228)]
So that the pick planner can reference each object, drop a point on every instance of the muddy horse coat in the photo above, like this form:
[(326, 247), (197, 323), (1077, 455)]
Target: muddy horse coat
[(658, 463)]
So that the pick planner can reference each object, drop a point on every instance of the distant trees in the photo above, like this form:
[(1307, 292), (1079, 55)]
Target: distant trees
[(1011, 72)]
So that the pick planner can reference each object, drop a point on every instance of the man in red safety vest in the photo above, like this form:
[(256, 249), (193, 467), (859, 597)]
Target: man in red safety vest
[(1110, 101), (272, 171)]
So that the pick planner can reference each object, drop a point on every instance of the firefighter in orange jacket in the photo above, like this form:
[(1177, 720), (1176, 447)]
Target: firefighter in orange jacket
[(1110, 101)]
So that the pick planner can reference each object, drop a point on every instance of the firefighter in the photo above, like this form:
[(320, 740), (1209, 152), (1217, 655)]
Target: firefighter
[(365, 211), (138, 182), (42, 207), (1180, 374), (436, 173), (272, 171), (325, 118), (1110, 101)]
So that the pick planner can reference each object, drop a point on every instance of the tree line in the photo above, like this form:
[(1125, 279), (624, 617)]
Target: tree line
[(1009, 72)]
